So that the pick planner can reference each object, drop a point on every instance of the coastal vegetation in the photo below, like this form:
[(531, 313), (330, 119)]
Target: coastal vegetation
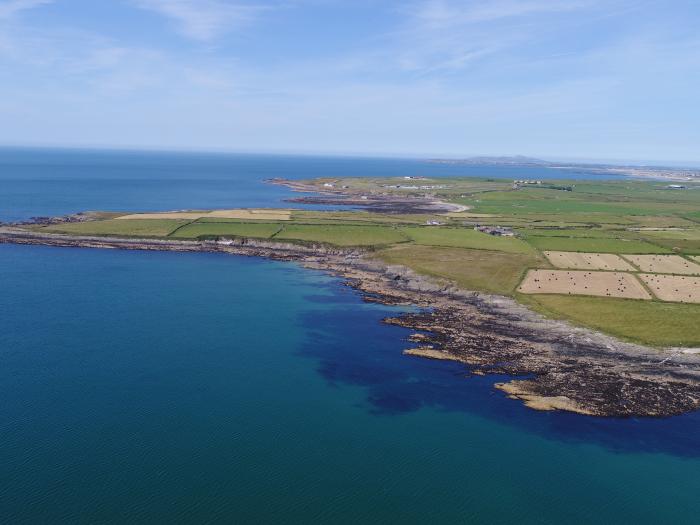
[(495, 233)]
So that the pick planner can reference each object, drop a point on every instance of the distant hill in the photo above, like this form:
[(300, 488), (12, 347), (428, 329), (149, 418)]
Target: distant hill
[(516, 160)]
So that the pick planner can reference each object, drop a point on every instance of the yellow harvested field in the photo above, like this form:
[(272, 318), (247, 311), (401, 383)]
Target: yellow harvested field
[(576, 282), (674, 288), (664, 264), (588, 261), (246, 214)]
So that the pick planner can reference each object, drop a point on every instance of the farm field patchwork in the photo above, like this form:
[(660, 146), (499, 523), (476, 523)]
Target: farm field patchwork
[(464, 238), (675, 288), (243, 213), (342, 235), (576, 282), (599, 245), (231, 229), (596, 229), (588, 261), (142, 227), (664, 264), (491, 271)]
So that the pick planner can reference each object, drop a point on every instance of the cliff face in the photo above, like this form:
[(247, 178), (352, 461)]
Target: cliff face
[(566, 368)]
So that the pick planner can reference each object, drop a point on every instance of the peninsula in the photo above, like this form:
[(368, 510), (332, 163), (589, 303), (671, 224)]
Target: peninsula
[(585, 293)]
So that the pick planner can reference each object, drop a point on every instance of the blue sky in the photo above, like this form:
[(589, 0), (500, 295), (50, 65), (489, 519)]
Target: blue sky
[(601, 79)]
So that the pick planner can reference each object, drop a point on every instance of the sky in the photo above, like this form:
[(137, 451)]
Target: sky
[(598, 79)]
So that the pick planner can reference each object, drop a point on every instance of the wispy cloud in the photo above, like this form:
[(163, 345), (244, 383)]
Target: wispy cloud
[(442, 36), (203, 20), (9, 8), (439, 13)]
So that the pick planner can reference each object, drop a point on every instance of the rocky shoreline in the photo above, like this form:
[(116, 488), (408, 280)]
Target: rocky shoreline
[(376, 203), (555, 366)]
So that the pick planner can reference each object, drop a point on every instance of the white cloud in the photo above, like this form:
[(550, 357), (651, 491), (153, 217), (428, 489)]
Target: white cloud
[(9, 8), (446, 36), (203, 20), (439, 13)]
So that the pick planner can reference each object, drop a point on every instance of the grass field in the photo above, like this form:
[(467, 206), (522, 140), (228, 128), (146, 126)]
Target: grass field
[(227, 229), (647, 322), (342, 235), (129, 228), (480, 270), (687, 241), (599, 245), (584, 199), (464, 238), (242, 213), (578, 233)]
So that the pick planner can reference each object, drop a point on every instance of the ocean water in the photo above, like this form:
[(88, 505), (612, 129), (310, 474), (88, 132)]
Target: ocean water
[(37, 182), (147, 387)]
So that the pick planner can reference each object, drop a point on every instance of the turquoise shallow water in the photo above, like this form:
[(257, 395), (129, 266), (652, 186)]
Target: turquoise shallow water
[(165, 387)]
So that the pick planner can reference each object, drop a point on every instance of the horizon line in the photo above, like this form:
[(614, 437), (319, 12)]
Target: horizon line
[(651, 163)]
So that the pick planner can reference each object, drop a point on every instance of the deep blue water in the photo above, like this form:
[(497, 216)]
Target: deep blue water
[(55, 182), (170, 387)]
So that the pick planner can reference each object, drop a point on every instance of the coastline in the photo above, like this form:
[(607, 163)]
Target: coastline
[(553, 365)]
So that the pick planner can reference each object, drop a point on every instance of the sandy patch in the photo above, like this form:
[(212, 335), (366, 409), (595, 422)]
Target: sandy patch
[(674, 288), (664, 264), (249, 214), (521, 390), (604, 284), (588, 261), (430, 353)]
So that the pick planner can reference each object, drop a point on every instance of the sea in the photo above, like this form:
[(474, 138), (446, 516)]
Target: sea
[(140, 387)]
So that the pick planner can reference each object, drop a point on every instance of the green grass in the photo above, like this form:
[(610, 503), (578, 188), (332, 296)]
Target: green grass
[(479, 270), (646, 322), (596, 233), (464, 238), (687, 241), (603, 245), (227, 229), (341, 235), (125, 227)]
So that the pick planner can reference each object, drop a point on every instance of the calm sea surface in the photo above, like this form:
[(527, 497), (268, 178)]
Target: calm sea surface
[(55, 182), (167, 387)]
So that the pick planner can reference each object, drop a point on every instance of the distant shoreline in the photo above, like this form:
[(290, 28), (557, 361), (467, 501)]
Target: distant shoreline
[(675, 174)]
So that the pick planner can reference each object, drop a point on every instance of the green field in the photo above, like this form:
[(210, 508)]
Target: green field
[(129, 228), (227, 229), (647, 322), (607, 198), (596, 233), (342, 235), (490, 271), (687, 241), (464, 238), (602, 245)]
